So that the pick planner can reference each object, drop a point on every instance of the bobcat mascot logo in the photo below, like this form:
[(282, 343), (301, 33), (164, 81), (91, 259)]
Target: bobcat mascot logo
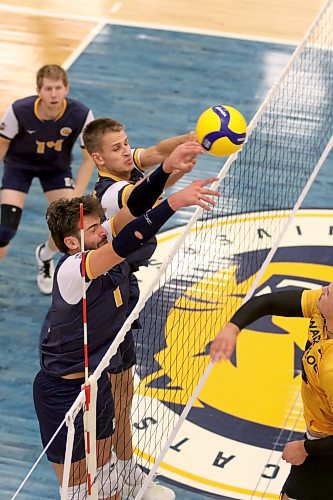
[(231, 441)]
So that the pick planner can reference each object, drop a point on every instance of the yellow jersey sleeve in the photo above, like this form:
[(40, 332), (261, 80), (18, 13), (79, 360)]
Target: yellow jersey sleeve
[(309, 302)]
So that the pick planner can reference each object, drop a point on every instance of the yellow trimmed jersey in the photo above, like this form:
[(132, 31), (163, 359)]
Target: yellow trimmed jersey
[(317, 385), (112, 191)]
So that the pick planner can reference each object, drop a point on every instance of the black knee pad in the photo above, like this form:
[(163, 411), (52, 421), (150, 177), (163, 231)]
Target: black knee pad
[(10, 219)]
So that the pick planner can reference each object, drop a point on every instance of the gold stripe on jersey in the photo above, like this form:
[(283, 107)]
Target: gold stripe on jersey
[(87, 262), (116, 293), (36, 104), (113, 231), (117, 297), (136, 158), (59, 115), (317, 384), (111, 176), (125, 194)]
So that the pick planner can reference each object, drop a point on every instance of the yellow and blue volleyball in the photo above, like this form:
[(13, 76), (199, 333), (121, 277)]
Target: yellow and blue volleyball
[(221, 130)]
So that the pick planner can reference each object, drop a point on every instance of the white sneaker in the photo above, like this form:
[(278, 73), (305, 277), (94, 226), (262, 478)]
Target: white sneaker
[(133, 482), (154, 491), (45, 272)]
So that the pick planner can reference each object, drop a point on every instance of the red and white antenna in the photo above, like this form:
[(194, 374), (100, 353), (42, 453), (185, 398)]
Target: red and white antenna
[(84, 300), (89, 427)]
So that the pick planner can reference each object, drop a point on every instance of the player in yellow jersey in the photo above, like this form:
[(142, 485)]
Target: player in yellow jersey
[(311, 459)]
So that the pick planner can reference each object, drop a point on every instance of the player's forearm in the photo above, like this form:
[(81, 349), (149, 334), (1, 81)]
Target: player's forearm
[(156, 154), (130, 239), (147, 192), (286, 303), (140, 230), (166, 146), (174, 177)]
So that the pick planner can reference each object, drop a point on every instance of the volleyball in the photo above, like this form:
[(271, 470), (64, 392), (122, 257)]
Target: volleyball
[(221, 130)]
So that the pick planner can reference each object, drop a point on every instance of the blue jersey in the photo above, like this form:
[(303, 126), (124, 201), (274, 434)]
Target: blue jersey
[(42, 144), (61, 347), (110, 191)]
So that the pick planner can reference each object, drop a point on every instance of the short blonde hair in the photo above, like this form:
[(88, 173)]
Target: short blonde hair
[(53, 72), (95, 131)]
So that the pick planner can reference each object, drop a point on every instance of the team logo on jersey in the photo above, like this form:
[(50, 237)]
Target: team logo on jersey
[(66, 131), (231, 441), (2, 126)]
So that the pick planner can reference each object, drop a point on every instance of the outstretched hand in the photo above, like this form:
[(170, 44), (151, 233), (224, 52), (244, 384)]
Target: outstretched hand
[(183, 157), (224, 343), (194, 194)]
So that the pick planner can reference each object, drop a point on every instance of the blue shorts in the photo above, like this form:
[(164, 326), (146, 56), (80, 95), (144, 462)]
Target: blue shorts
[(312, 480), (20, 179), (53, 397)]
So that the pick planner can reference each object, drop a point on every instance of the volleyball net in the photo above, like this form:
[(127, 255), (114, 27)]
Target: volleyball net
[(208, 268)]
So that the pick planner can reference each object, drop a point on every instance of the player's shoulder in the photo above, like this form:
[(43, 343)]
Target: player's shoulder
[(25, 103), (74, 105), (103, 181), (68, 261), (69, 278), (108, 190), (138, 171), (136, 155)]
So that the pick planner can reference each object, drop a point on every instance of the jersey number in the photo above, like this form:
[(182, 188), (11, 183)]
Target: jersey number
[(56, 145)]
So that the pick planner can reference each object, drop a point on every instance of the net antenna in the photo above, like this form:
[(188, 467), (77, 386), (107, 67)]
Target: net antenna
[(89, 406)]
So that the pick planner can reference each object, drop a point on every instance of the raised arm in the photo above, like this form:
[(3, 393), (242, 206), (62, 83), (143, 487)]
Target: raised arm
[(287, 303), (182, 159), (152, 156), (132, 233)]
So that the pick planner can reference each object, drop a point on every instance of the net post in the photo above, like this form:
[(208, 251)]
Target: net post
[(68, 455)]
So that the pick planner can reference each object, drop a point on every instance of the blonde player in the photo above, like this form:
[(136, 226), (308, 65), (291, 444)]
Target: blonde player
[(37, 137)]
